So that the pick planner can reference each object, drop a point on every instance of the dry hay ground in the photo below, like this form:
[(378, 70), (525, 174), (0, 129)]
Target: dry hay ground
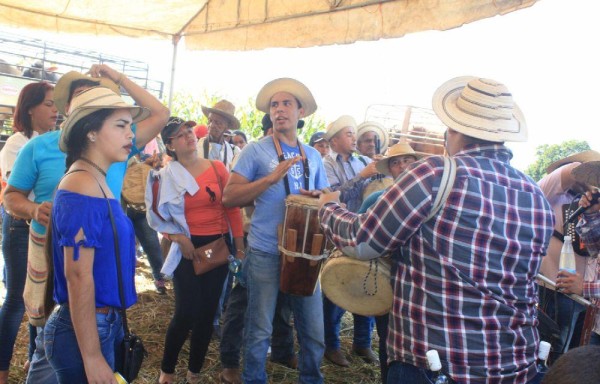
[(150, 317)]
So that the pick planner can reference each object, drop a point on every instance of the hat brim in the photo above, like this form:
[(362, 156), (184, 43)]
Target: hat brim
[(63, 87), (587, 173), (445, 107), (137, 114), (232, 119), (291, 86), (383, 164), (581, 157), (384, 138)]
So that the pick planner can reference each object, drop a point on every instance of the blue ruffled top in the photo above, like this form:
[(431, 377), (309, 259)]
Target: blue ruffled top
[(71, 212)]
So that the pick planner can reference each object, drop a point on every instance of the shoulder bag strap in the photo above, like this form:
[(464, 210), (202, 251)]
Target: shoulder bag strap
[(445, 187)]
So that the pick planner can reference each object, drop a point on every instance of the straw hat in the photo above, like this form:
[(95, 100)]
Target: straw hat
[(225, 109), (373, 126), (581, 157), (339, 124), (588, 173), (396, 150), (480, 108), (92, 100), (292, 86), (63, 87)]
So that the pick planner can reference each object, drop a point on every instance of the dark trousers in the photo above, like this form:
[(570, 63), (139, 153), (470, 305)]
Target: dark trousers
[(148, 239), (382, 322), (282, 340), (196, 300)]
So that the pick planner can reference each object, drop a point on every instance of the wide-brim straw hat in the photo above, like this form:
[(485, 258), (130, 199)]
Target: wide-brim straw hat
[(396, 150), (581, 157), (92, 100), (63, 87), (480, 108), (379, 129), (291, 86), (225, 109), (588, 173), (340, 123)]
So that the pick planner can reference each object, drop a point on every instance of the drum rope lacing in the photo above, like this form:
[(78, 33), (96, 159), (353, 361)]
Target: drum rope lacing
[(365, 289), (306, 223)]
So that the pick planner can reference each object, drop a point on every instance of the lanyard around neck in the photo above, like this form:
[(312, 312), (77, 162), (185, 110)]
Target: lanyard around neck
[(304, 164)]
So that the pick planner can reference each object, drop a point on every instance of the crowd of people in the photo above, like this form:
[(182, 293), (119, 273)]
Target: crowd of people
[(465, 236)]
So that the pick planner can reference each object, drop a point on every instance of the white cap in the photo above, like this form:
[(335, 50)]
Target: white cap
[(433, 360), (544, 350)]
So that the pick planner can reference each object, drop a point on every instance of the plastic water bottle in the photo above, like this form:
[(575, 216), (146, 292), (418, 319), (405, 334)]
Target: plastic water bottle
[(567, 257), (435, 366), (235, 265), (543, 353)]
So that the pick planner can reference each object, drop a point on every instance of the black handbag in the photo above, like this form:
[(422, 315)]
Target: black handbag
[(132, 348)]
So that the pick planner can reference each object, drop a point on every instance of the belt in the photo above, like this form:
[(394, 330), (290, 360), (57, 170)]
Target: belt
[(101, 310)]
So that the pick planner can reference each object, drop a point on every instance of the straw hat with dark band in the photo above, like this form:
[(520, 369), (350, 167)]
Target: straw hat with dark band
[(63, 87), (480, 108), (581, 157), (224, 109), (291, 86), (397, 150), (92, 100)]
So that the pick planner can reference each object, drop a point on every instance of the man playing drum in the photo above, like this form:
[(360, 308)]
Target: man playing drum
[(263, 176), (464, 281), (348, 174)]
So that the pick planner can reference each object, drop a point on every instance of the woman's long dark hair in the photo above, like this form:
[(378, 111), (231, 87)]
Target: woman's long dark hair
[(77, 142), (31, 96)]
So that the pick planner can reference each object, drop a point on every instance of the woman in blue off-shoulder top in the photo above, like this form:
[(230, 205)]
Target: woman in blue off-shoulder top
[(83, 334)]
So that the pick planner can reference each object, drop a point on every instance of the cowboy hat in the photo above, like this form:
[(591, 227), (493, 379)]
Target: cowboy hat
[(63, 88), (373, 126), (339, 124), (225, 109), (588, 173), (397, 150), (292, 86), (581, 157), (480, 108), (93, 100)]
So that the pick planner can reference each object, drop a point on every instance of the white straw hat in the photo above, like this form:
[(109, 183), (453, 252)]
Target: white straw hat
[(379, 129), (291, 86), (396, 150), (339, 124), (92, 100), (480, 108)]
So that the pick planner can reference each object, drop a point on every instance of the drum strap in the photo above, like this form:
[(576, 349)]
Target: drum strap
[(206, 149), (445, 186), (304, 165)]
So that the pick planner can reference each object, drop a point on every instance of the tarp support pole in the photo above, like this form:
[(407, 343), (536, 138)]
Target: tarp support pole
[(176, 39)]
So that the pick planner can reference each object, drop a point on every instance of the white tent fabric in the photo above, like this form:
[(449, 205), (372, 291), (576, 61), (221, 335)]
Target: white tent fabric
[(251, 24)]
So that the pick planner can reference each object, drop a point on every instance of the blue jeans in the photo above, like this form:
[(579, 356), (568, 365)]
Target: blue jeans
[(332, 315), (62, 350), (594, 339), (148, 238), (568, 312), (262, 276), (40, 370), (14, 248)]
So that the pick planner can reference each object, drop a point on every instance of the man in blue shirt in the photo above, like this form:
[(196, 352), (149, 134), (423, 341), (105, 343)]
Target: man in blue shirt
[(260, 175)]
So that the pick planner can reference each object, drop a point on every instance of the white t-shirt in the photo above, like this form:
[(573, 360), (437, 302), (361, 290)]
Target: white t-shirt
[(8, 155)]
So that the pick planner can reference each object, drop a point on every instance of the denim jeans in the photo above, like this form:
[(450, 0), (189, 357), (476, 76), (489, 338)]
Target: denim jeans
[(148, 238), (332, 315), (594, 339), (40, 370), (14, 249), (262, 276), (282, 340), (62, 350), (568, 312)]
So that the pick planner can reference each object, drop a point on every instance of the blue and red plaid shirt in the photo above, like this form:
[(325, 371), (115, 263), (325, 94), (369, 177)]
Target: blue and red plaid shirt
[(465, 280)]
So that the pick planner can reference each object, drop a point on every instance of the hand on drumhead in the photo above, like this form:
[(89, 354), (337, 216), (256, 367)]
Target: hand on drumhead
[(568, 282), (329, 197), (282, 169), (313, 193), (369, 170)]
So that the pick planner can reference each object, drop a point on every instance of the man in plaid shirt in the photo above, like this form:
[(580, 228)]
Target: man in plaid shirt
[(464, 281)]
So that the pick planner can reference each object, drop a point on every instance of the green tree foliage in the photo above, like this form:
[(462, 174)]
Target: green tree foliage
[(547, 154), (189, 107)]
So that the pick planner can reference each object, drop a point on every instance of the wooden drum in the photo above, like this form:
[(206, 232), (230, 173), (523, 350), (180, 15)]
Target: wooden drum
[(302, 246)]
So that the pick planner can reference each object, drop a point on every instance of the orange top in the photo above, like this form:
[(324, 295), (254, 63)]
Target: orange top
[(204, 212)]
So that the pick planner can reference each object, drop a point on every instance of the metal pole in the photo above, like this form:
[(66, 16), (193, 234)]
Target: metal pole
[(176, 39)]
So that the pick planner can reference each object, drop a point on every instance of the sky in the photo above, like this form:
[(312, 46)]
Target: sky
[(546, 55)]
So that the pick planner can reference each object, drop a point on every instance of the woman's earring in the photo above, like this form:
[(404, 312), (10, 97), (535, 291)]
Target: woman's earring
[(92, 138)]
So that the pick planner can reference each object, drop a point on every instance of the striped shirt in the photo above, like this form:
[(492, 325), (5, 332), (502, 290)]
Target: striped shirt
[(465, 280)]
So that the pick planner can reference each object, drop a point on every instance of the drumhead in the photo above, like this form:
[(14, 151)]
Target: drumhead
[(343, 282), (312, 202), (134, 184)]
